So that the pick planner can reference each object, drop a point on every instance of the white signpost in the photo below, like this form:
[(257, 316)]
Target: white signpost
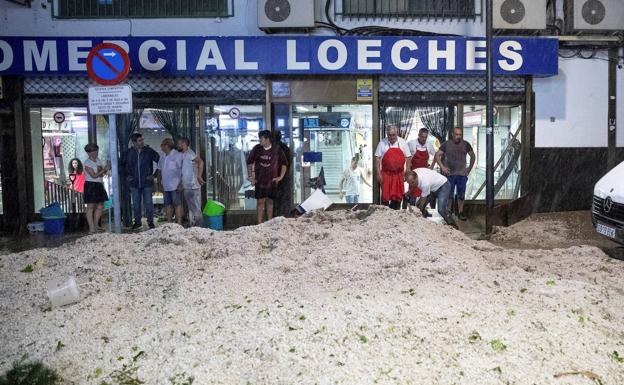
[(110, 100), (108, 64)]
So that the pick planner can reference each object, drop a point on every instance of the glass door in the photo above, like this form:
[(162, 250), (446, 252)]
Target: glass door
[(332, 151), (231, 133)]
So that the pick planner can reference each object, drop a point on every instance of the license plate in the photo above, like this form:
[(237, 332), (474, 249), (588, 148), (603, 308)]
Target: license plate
[(605, 230)]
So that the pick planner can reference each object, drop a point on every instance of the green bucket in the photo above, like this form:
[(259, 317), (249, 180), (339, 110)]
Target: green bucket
[(213, 208)]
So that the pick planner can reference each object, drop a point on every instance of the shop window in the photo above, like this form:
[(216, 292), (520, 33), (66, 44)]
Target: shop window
[(231, 133), (54, 145), (507, 150), (449, 9), (325, 140), (93, 9)]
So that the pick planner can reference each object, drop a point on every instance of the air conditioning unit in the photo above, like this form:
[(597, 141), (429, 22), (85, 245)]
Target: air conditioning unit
[(595, 15), (519, 14), (278, 14)]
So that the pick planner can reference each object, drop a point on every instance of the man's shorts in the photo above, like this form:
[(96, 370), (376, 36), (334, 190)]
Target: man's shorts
[(262, 193), (173, 198), (460, 181)]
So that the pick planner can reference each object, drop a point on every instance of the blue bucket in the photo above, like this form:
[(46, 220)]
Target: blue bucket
[(214, 222), (54, 226)]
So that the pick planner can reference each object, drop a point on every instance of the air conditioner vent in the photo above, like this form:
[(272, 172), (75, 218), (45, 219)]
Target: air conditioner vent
[(594, 15), (285, 14), (512, 11), (520, 14), (277, 10), (594, 12)]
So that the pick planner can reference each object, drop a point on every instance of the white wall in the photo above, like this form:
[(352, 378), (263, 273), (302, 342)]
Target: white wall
[(17, 20), (571, 109), (620, 105)]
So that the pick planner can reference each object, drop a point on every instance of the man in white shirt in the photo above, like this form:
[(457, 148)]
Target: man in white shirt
[(431, 183), (192, 180), (350, 181), (170, 171), (393, 158)]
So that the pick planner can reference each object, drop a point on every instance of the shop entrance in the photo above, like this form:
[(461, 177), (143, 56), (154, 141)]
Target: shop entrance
[(332, 151)]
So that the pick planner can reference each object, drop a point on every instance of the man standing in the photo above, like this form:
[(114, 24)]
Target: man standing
[(423, 154), (139, 161), (454, 166), (170, 170), (266, 167), (430, 182), (393, 158), (422, 151), (283, 199), (192, 180), (350, 180)]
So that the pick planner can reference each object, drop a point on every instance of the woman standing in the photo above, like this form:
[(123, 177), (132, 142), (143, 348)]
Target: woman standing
[(76, 175), (94, 192)]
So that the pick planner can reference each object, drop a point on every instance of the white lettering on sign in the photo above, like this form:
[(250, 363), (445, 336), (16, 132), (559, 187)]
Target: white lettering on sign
[(194, 55), (46, 55), (210, 56), (447, 54), (125, 46), (365, 53), (508, 49), (7, 55), (239, 56), (472, 54), (110, 100), (291, 57), (397, 50), (144, 55), (181, 51), (76, 55), (323, 56)]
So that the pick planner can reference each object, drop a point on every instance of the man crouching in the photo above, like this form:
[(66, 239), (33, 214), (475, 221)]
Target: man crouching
[(431, 183)]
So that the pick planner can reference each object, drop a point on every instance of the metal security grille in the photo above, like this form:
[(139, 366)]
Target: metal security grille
[(409, 9), (95, 9), (227, 87), (451, 87)]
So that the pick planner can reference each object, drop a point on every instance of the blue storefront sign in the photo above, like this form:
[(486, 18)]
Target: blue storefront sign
[(286, 55)]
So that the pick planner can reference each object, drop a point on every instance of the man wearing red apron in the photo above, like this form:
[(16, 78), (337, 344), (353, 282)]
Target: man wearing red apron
[(393, 157), (421, 151)]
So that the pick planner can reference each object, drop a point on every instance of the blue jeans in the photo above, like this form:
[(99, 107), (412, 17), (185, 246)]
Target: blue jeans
[(459, 182), (442, 196), (352, 198), (142, 194)]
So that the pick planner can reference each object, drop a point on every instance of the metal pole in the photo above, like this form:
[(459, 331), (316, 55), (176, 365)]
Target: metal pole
[(489, 133), (112, 145)]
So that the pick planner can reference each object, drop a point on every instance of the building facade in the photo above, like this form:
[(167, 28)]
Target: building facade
[(331, 76)]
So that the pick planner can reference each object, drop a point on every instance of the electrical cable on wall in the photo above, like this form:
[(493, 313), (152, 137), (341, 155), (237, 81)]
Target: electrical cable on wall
[(371, 30)]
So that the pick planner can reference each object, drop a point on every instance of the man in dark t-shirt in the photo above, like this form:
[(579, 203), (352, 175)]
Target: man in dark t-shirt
[(266, 167), (454, 166)]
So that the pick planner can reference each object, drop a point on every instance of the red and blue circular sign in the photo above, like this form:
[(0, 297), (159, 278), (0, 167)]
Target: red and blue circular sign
[(108, 64)]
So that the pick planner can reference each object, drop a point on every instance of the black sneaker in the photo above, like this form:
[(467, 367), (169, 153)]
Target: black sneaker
[(136, 226), (151, 225), (461, 217)]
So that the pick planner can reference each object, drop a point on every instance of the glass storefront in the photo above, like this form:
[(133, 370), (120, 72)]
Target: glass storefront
[(325, 140), (231, 133), (55, 143), (507, 149)]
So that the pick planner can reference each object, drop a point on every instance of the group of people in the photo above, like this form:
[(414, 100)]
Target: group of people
[(179, 171), (268, 168), (399, 162)]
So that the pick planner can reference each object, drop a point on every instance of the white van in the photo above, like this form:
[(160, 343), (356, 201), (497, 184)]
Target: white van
[(608, 204)]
